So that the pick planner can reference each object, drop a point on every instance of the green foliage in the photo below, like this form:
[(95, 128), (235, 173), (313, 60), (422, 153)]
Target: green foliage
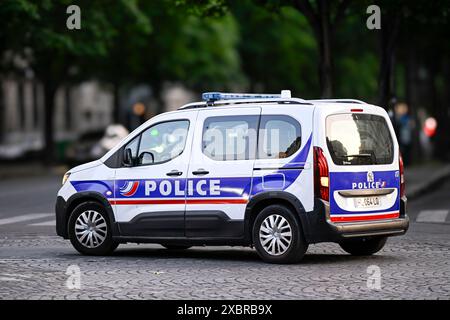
[(40, 27), (202, 54), (257, 45), (356, 59), (202, 8), (198, 51), (278, 49)]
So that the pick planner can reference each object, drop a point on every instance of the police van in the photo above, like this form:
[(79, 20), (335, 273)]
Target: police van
[(268, 171)]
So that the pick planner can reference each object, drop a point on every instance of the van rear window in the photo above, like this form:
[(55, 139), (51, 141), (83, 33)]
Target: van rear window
[(359, 139)]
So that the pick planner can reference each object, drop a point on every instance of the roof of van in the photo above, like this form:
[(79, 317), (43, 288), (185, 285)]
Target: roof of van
[(216, 99), (236, 103)]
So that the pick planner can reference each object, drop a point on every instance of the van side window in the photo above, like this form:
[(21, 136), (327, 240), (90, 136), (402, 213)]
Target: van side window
[(162, 142), (279, 137), (230, 138), (133, 146)]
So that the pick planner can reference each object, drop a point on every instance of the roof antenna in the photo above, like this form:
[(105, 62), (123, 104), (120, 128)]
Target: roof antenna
[(285, 94)]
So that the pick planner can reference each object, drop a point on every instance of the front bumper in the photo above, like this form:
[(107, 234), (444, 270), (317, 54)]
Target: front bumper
[(61, 218), (321, 229)]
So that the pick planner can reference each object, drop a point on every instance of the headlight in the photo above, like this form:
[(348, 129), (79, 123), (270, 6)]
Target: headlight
[(65, 177)]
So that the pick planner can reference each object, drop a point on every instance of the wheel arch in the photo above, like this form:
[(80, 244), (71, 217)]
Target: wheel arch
[(88, 196), (264, 199)]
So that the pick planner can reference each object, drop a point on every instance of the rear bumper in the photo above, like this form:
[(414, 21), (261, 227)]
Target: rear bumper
[(321, 229), (389, 228)]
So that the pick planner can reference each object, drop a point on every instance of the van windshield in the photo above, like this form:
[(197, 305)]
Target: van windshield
[(359, 139)]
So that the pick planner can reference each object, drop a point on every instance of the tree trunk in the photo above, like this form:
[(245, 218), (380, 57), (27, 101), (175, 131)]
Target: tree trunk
[(157, 88), (388, 39), (411, 100), (320, 21), (49, 109), (384, 77), (440, 112), (21, 104), (67, 108), (445, 103), (35, 105), (325, 54), (2, 112), (116, 104)]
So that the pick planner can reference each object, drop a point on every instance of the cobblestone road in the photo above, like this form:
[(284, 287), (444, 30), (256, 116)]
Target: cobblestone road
[(416, 266), (33, 262)]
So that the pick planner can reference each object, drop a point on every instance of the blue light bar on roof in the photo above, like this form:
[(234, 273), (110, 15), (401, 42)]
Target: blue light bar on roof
[(215, 96)]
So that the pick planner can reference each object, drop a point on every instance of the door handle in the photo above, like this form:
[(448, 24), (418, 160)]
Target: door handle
[(174, 173), (200, 172)]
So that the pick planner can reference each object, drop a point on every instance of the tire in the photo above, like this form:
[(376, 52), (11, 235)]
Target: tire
[(175, 246), (91, 215), (271, 232), (363, 246)]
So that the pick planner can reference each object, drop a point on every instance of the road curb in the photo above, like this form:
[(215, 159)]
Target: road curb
[(421, 189)]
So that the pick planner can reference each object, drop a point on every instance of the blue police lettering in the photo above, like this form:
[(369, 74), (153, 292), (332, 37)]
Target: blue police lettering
[(366, 185), (214, 187), (165, 187), (175, 188), (200, 191)]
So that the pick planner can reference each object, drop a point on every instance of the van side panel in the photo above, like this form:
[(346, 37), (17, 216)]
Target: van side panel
[(293, 174)]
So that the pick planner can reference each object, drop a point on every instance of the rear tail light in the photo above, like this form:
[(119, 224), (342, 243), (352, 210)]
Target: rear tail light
[(321, 176), (402, 176)]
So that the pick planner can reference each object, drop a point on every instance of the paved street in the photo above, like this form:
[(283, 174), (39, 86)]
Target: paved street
[(34, 262)]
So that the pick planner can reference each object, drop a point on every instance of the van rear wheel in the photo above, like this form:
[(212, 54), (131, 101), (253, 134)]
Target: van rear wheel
[(90, 230), (277, 235), (363, 246)]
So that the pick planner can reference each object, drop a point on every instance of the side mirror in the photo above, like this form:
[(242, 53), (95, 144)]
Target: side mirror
[(128, 158), (146, 157)]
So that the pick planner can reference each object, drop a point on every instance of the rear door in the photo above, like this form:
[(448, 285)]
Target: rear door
[(284, 156), (363, 166)]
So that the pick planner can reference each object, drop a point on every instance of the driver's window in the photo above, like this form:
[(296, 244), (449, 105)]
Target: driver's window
[(162, 142)]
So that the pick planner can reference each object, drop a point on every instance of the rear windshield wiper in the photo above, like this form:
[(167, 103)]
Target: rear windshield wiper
[(361, 155)]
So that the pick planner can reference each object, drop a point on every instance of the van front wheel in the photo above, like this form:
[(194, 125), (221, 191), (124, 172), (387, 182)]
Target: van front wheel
[(277, 235), (364, 246), (90, 231)]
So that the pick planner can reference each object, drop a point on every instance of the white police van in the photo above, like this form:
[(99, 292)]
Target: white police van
[(269, 171)]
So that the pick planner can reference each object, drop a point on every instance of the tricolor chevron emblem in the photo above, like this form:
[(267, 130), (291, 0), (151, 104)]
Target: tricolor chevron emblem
[(129, 188)]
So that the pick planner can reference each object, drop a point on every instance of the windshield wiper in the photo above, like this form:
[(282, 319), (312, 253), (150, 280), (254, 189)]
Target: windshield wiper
[(361, 155)]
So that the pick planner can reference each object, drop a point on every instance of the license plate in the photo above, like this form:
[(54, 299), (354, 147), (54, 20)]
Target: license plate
[(367, 202)]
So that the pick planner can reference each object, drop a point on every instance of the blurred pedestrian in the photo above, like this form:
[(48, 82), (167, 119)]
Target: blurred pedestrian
[(404, 130)]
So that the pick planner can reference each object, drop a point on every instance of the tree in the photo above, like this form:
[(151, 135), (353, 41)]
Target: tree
[(55, 52), (324, 18), (10, 26), (391, 18), (422, 46), (122, 64), (273, 56), (195, 44)]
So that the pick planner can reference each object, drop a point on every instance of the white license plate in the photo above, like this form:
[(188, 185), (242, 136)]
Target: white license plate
[(367, 202)]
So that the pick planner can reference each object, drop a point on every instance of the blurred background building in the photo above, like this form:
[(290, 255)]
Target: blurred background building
[(82, 112)]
